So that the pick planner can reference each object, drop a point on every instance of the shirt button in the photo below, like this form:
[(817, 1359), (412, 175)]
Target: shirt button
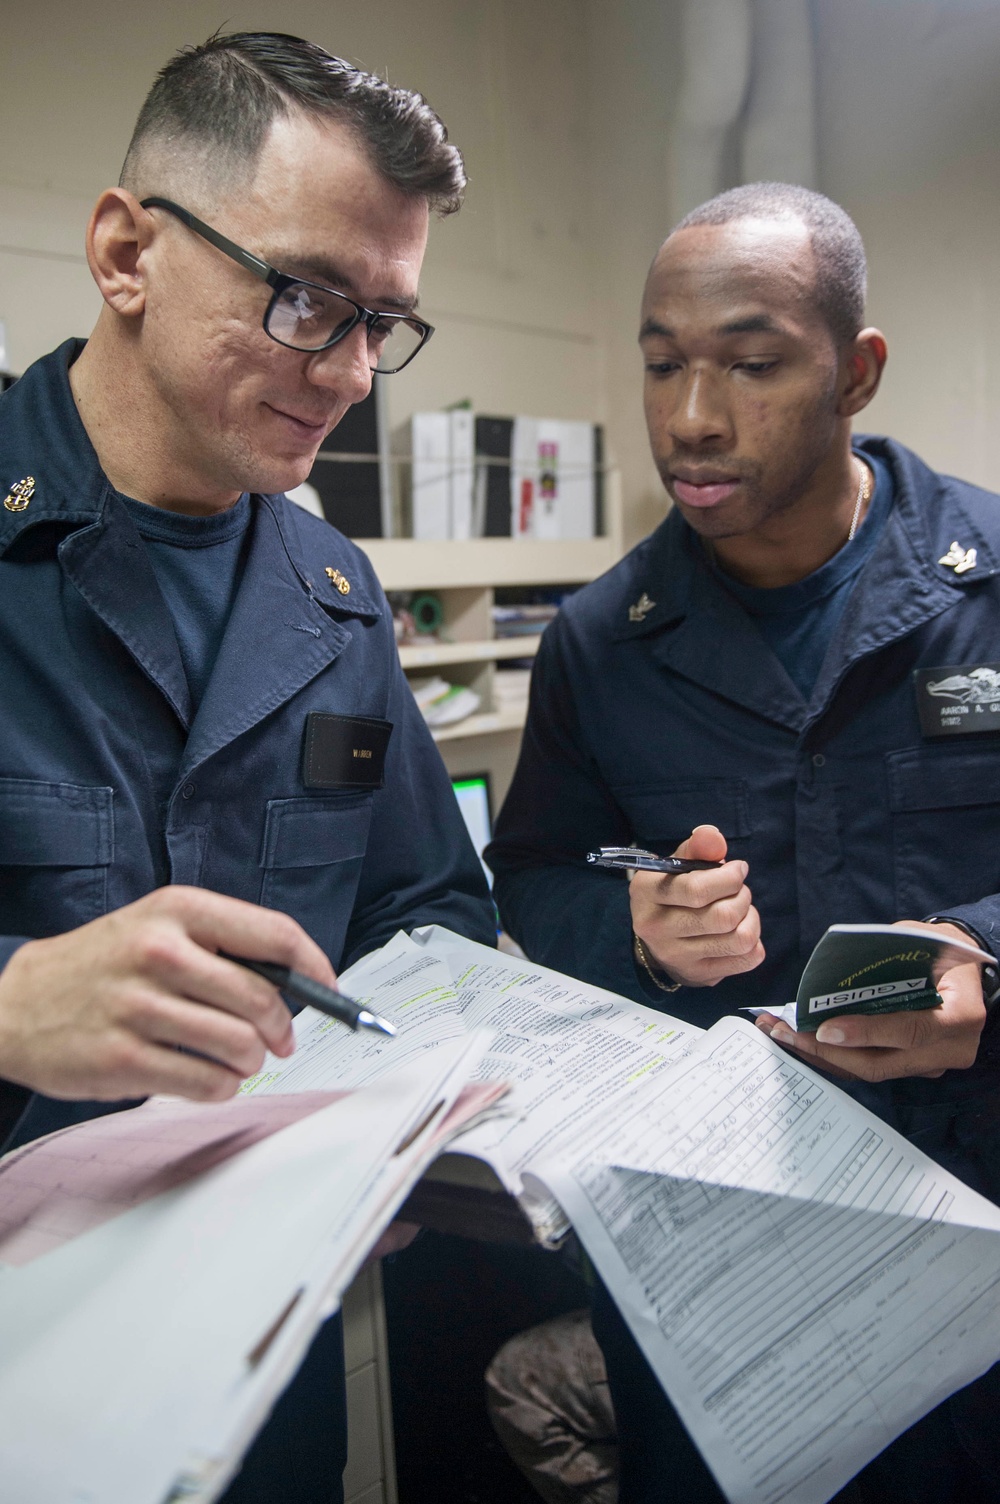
[(818, 760), (187, 792)]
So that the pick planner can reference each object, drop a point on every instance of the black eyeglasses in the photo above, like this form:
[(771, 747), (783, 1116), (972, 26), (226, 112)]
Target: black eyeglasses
[(306, 316)]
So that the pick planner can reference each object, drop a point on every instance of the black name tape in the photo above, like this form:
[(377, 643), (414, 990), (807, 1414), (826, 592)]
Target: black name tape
[(961, 700), (344, 751)]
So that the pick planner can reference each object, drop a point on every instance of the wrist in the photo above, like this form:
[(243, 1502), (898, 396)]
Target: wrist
[(989, 975), (652, 969)]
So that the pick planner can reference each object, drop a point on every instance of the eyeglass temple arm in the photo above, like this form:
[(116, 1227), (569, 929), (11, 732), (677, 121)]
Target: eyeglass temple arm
[(228, 247), (261, 269)]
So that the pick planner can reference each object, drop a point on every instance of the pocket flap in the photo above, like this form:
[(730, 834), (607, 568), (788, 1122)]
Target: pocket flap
[(55, 824), (316, 832), (946, 780), (669, 811)]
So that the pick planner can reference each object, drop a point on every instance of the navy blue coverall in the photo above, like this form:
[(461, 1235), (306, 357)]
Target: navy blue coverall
[(646, 722), (112, 783)]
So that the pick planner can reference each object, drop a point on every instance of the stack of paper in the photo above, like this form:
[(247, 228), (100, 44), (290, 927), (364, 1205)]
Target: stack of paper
[(571, 1052), (441, 703), (805, 1284), (511, 687), (149, 1319)]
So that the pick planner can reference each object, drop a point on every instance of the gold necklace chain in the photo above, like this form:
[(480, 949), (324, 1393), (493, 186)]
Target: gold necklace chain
[(864, 494), (865, 487)]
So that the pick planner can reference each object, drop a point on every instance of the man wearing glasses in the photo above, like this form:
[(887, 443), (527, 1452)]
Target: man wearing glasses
[(190, 663)]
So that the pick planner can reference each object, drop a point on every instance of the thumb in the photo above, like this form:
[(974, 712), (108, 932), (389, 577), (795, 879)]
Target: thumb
[(706, 843)]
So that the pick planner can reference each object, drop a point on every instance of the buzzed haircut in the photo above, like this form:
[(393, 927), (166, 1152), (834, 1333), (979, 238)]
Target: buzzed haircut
[(212, 106), (841, 267)]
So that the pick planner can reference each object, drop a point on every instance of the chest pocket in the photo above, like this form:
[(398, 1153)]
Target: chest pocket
[(56, 846), (663, 814), (945, 827), (312, 856)]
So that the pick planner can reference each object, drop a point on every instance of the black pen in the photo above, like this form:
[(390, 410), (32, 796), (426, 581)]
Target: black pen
[(634, 859), (314, 995)]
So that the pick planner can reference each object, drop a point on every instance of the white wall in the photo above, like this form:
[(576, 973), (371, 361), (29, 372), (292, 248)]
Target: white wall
[(508, 281), (563, 108), (908, 131), (634, 72), (909, 116)]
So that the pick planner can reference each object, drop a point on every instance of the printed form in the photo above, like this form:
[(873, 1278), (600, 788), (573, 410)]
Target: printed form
[(568, 1050), (805, 1283)]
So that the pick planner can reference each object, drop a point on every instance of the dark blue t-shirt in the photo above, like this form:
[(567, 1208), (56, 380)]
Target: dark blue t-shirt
[(198, 563), (798, 621)]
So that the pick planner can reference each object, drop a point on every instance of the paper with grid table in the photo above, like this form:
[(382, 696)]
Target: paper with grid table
[(804, 1282)]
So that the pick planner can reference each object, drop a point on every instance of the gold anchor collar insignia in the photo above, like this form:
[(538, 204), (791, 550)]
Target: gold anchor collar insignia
[(342, 584), (20, 494), (960, 559), (641, 609)]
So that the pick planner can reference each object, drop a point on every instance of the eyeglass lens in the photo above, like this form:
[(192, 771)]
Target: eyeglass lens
[(307, 318)]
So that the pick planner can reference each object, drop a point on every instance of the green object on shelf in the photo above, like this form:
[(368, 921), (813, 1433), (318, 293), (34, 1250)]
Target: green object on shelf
[(428, 613)]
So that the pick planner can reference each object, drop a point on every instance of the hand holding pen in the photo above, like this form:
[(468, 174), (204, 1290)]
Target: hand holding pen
[(302, 989), (140, 1001), (696, 925)]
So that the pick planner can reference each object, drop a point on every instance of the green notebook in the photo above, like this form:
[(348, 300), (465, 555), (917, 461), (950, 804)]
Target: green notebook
[(873, 968)]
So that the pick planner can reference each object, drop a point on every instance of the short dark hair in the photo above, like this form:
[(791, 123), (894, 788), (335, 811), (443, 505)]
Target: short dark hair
[(221, 98), (841, 268)]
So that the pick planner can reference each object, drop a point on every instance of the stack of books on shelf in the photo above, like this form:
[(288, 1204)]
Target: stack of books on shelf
[(523, 620), (510, 689), (443, 704)]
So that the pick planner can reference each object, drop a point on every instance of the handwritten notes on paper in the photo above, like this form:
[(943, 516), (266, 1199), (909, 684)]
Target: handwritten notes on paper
[(571, 1052), (804, 1282)]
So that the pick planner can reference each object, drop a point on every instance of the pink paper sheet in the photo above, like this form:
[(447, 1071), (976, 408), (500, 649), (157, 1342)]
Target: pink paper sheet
[(62, 1185), (71, 1181)]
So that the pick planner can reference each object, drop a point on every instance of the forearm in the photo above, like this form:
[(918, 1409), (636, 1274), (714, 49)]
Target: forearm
[(563, 913), (468, 914), (573, 920)]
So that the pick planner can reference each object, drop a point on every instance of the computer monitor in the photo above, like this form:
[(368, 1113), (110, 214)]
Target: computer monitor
[(472, 790)]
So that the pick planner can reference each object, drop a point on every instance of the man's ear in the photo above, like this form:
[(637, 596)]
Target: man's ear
[(861, 367), (119, 231)]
